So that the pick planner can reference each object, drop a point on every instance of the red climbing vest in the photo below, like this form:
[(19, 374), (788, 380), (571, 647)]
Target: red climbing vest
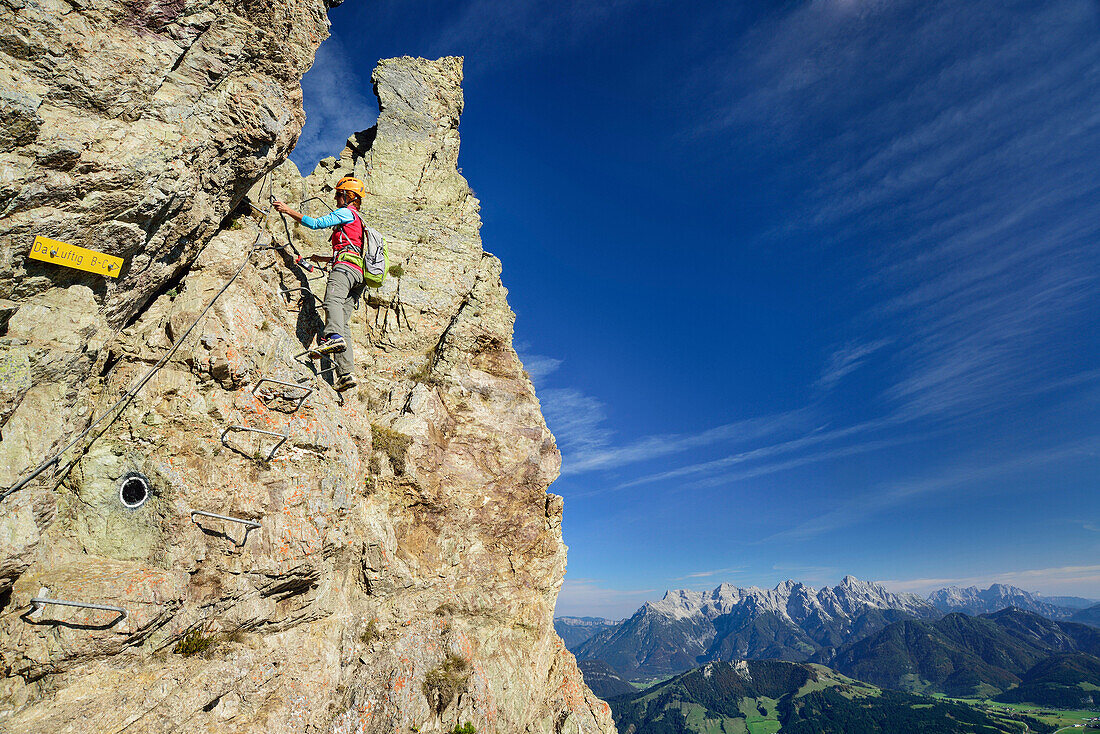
[(347, 242)]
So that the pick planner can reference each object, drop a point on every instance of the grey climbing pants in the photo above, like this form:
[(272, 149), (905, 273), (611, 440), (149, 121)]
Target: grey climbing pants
[(342, 291)]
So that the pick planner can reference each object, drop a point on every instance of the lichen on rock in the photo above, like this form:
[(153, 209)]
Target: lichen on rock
[(405, 533)]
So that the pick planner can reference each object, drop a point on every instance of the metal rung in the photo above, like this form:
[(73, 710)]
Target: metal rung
[(265, 212), (302, 295), (321, 273), (248, 523), (311, 359), (316, 373), (301, 401), (282, 436), (38, 602)]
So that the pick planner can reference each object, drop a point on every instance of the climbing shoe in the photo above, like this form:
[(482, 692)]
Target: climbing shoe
[(344, 382), (333, 344)]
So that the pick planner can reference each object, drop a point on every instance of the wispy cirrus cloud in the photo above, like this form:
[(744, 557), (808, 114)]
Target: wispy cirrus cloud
[(948, 151), (579, 422), (732, 571), (895, 494), (539, 366), (955, 181), (337, 105), (847, 359), (767, 451)]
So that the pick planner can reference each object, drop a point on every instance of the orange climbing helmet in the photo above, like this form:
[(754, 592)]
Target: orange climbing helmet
[(352, 185)]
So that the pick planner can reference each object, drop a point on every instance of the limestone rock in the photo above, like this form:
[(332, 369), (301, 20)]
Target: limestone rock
[(407, 558)]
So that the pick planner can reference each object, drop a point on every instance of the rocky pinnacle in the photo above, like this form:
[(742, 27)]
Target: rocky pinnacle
[(391, 566)]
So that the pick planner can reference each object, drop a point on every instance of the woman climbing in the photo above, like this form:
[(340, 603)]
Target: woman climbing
[(345, 280)]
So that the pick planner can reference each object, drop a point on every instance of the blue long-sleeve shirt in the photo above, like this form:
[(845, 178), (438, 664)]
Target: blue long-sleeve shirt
[(342, 215)]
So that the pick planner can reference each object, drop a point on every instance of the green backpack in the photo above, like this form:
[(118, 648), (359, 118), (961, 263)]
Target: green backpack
[(376, 260)]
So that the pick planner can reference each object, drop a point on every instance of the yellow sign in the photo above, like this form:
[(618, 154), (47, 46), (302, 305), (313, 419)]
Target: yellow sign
[(71, 256)]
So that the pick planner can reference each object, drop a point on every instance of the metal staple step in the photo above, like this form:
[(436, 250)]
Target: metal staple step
[(248, 523), (301, 401), (283, 437), (40, 601)]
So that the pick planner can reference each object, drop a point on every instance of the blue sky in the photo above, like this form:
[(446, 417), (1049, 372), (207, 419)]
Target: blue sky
[(806, 288)]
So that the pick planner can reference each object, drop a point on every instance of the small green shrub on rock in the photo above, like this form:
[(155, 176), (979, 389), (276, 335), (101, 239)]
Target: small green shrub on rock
[(370, 632), (194, 642), (392, 444), (443, 683), (467, 728), (203, 642)]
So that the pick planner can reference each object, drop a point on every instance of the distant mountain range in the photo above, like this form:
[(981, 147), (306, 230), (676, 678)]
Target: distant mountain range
[(973, 601), (790, 622), (575, 630), (768, 696), (1072, 602)]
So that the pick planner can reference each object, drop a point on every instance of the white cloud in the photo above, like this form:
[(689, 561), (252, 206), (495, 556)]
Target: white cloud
[(604, 456), (579, 423), (847, 359), (961, 166), (832, 454), (734, 570), (764, 452), (339, 100), (539, 367)]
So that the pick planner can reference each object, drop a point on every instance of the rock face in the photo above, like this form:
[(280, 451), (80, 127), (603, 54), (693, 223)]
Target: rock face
[(403, 557), (130, 128)]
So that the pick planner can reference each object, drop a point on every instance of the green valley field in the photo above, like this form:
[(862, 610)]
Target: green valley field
[(766, 697), (1055, 718)]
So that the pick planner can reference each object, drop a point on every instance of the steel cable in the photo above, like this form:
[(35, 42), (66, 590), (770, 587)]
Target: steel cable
[(133, 391)]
